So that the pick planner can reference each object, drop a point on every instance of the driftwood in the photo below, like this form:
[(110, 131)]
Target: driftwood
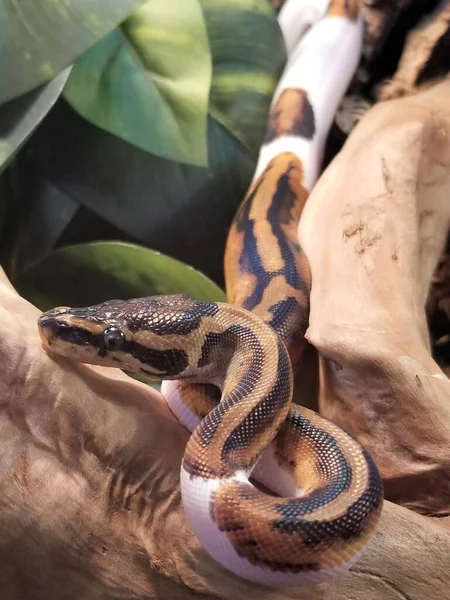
[(373, 231), (380, 18), (90, 504), (422, 63), (424, 56), (89, 496)]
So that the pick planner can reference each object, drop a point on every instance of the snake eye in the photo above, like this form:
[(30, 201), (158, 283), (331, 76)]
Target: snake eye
[(113, 338)]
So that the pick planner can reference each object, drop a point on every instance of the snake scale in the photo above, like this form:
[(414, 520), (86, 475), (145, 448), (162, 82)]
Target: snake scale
[(324, 494)]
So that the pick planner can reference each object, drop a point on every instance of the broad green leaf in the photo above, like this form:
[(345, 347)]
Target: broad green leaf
[(148, 81), (248, 56), (39, 38), (181, 210), (85, 274), (20, 117)]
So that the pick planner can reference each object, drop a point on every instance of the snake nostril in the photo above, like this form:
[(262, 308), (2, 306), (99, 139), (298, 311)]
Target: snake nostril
[(55, 312)]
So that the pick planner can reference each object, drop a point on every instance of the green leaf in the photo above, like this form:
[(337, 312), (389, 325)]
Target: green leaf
[(248, 55), (20, 117), (89, 273), (181, 210), (39, 38), (148, 81)]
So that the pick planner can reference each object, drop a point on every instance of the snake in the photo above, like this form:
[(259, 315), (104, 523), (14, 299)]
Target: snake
[(275, 493)]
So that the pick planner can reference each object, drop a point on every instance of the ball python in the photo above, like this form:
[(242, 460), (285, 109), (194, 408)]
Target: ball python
[(324, 494)]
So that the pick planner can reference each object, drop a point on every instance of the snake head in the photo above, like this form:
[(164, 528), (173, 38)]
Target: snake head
[(92, 334), (148, 335)]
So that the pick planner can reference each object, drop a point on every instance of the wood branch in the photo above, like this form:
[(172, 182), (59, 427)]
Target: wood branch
[(90, 502), (380, 18), (373, 230), (408, 559), (423, 58)]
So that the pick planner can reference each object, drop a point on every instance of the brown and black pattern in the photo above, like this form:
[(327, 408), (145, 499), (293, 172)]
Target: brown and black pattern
[(73, 331), (320, 530), (338, 512), (329, 524), (266, 271), (257, 392), (326, 458), (344, 8), (159, 335), (199, 398), (292, 114), (270, 535)]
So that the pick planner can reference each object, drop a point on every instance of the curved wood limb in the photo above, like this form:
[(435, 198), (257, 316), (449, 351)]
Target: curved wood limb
[(373, 230)]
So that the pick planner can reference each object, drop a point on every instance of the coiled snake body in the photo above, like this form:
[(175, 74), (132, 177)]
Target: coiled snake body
[(329, 490)]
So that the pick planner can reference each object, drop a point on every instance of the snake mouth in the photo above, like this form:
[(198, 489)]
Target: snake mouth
[(48, 324), (51, 331), (54, 327)]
